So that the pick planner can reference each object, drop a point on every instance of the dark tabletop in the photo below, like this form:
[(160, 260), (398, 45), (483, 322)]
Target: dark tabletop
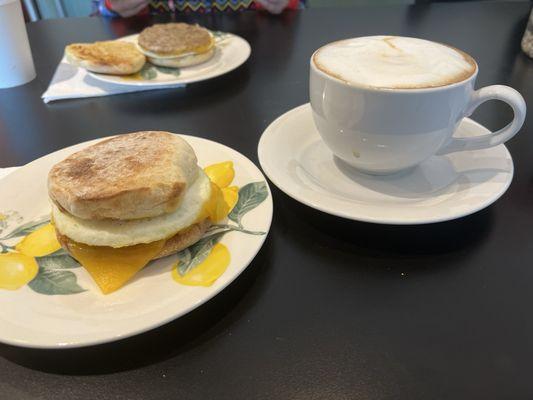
[(329, 309)]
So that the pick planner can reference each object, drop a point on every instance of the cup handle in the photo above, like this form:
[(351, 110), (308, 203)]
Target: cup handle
[(495, 92)]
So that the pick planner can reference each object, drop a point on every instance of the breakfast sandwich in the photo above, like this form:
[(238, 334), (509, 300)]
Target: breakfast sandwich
[(130, 199), (177, 44), (112, 57)]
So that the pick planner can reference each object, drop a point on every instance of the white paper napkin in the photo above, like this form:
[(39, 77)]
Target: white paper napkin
[(70, 82)]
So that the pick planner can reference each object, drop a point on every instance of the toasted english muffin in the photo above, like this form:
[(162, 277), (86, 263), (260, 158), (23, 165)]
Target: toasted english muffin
[(176, 243), (111, 57), (138, 175), (183, 61), (175, 39)]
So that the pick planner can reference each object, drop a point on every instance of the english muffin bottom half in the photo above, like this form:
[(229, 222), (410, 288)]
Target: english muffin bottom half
[(125, 201), (112, 57)]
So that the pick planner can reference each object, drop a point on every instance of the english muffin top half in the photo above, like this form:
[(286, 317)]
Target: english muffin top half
[(138, 175), (176, 39)]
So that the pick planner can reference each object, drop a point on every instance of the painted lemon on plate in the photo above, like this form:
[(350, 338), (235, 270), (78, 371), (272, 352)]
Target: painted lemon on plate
[(16, 270), (207, 271), (40, 242), (221, 174)]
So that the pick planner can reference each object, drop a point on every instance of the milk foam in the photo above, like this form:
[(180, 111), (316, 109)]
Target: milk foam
[(394, 62)]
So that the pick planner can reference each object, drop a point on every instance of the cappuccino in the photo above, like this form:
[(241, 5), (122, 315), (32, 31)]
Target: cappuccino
[(394, 62)]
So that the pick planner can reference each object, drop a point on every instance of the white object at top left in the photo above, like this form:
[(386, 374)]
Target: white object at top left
[(16, 62)]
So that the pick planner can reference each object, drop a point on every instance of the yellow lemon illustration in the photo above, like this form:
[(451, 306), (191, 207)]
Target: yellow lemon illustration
[(208, 271), (222, 209), (221, 174), (16, 270), (231, 196), (40, 242), (215, 208)]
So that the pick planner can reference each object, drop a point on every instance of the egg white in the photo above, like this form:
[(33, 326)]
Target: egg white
[(121, 233)]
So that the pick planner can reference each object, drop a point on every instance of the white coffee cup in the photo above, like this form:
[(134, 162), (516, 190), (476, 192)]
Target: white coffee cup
[(16, 62), (383, 130)]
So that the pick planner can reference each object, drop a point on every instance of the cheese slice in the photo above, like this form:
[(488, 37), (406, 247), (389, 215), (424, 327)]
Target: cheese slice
[(111, 268)]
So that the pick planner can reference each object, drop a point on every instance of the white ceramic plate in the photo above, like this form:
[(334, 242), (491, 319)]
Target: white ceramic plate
[(230, 53), (442, 188), (32, 319)]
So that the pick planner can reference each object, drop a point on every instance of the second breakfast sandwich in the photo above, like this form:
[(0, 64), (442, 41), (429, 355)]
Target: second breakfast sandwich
[(177, 44), (130, 199)]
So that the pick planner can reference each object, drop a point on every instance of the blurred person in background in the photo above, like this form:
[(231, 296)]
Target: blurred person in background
[(129, 8)]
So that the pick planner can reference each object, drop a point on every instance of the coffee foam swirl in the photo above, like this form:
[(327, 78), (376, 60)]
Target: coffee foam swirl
[(394, 62)]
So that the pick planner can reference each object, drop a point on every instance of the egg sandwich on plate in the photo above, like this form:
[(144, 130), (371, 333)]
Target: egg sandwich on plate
[(130, 199)]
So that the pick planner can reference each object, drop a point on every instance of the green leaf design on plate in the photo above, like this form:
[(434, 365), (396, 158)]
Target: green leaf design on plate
[(169, 71), (57, 253), (27, 228), (58, 260), (250, 196), (198, 252), (148, 72), (228, 228), (53, 282)]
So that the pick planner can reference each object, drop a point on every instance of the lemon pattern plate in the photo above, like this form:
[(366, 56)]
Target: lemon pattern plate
[(49, 301)]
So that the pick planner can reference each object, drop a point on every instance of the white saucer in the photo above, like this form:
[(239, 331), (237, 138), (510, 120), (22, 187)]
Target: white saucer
[(442, 188)]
